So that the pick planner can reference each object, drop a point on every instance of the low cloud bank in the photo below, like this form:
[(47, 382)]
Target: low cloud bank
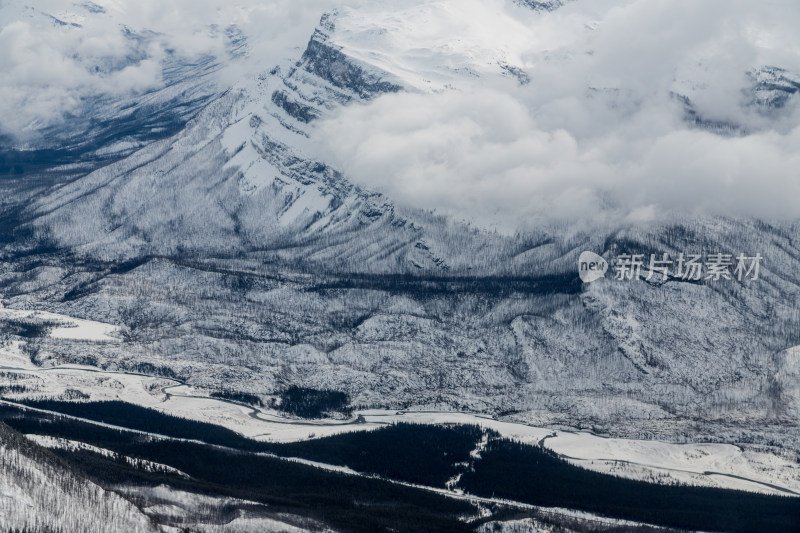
[(56, 55), (600, 134)]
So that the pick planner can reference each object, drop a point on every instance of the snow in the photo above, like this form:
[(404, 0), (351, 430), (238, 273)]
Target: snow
[(47, 441), (72, 328), (434, 45), (199, 512), (118, 147), (86, 330), (695, 464), (12, 357), (42, 495), (309, 202), (251, 525), (331, 468), (540, 524), (758, 469)]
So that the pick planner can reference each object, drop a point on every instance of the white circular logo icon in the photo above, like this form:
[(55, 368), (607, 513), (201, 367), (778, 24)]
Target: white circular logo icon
[(591, 267)]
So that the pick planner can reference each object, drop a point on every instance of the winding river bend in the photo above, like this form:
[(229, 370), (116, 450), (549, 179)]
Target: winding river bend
[(368, 419)]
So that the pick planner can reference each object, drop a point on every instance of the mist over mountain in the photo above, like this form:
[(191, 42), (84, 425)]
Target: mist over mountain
[(585, 126), (520, 116)]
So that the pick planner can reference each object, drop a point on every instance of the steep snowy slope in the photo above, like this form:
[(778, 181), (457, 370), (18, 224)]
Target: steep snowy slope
[(38, 493)]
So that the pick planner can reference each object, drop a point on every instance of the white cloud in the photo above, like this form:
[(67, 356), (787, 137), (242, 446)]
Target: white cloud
[(596, 135), (49, 68), (595, 127)]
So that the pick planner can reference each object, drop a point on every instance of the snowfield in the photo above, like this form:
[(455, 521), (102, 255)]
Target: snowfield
[(751, 468), (68, 327)]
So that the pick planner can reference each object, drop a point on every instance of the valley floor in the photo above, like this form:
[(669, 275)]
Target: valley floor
[(767, 470)]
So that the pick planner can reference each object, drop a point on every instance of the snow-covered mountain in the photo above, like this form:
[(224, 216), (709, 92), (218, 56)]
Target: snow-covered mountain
[(233, 255), (198, 246)]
